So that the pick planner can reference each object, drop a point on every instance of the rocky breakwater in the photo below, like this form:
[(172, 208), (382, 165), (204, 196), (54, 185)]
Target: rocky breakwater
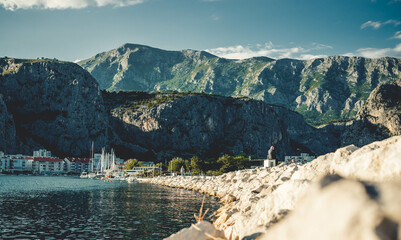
[(352, 193), (55, 105)]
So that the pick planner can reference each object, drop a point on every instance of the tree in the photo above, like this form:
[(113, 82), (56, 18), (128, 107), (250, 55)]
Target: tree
[(227, 163), (241, 162), (187, 165), (197, 165), (175, 164), (131, 163)]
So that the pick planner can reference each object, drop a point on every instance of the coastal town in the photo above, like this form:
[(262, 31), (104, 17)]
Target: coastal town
[(42, 162)]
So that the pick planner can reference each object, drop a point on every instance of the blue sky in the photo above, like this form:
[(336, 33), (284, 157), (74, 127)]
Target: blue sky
[(78, 29)]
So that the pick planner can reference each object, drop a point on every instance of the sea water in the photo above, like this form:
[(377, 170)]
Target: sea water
[(39, 207)]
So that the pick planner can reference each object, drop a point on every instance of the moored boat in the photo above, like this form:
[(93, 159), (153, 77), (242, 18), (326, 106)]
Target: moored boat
[(84, 175), (91, 175), (132, 179)]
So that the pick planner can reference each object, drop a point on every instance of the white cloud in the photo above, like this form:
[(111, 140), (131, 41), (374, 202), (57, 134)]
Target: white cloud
[(378, 52), (319, 46), (375, 25), (64, 4), (378, 24), (268, 50), (311, 56), (397, 35), (394, 22)]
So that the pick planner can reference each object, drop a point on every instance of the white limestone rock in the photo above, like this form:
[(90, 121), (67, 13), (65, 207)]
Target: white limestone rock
[(378, 161), (338, 208), (263, 200), (200, 231)]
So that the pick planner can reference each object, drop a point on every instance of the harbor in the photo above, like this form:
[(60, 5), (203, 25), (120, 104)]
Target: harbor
[(104, 166)]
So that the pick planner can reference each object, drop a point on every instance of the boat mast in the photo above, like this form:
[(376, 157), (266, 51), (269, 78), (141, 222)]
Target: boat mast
[(102, 164), (113, 160), (91, 159)]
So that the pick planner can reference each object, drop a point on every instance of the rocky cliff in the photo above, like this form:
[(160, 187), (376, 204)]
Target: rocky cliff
[(379, 118), (187, 124), (55, 105), (8, 139), (322, 89)]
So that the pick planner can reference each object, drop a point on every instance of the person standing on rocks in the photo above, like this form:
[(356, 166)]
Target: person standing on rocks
[(182, 170), (271, 155)]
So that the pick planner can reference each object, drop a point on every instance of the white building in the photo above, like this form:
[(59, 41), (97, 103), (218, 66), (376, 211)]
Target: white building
[(48, 165), (77, 165), (42, 153), (304, 158), (4, 164), (42, 162)]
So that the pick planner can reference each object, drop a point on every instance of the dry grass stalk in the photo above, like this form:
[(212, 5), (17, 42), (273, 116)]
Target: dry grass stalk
[(201, 216)]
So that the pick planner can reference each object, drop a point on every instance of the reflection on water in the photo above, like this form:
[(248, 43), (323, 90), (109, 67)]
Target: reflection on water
[(73, 208)]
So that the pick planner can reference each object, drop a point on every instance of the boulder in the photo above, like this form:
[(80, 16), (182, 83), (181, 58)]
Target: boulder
[(339, 208), (200, 231), (378, 161)]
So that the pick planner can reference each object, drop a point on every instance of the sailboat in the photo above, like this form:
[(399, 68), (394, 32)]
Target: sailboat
[(115, 173), (91, 173)]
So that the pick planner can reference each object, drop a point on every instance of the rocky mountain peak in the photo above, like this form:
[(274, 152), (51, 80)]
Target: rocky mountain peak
[(383, 107), (323, 89), (378, 119)]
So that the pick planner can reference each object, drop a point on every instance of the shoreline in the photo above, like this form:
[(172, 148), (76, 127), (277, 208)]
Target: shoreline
[(237, 193), (264, 201)]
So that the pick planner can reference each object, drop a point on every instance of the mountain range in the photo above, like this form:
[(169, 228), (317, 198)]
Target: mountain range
[(322, 89), (61, 107)]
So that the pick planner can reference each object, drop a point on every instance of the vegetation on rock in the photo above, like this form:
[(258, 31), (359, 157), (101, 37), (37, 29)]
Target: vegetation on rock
[(211, 166)]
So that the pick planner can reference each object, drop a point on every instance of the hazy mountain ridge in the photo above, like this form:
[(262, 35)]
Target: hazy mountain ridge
[(322, 89)]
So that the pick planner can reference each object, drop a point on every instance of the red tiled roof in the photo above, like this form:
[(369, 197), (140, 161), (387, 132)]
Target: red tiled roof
[(46, 159), (81, 160)]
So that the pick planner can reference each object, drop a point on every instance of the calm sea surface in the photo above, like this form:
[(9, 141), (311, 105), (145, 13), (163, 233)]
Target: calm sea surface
[(34, 207)]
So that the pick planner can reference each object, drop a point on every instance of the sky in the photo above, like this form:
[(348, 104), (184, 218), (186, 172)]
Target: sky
[(73, 30)]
